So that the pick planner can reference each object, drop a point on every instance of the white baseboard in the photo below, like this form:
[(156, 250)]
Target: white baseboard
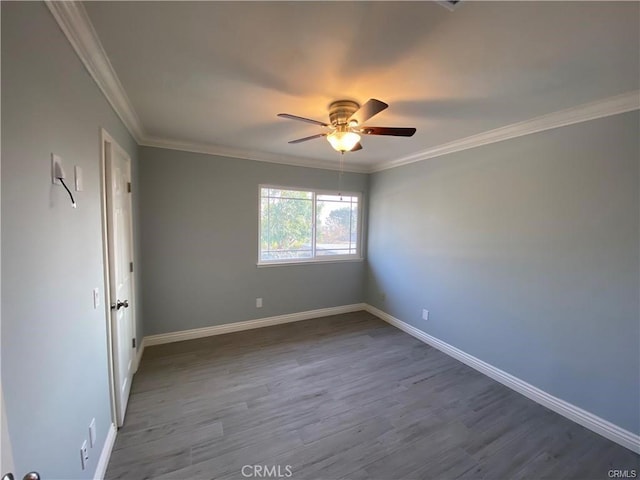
[(248, 325), (101, 468), (588, 420)]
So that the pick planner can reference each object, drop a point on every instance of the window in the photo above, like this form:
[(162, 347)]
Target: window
[(304, 225)]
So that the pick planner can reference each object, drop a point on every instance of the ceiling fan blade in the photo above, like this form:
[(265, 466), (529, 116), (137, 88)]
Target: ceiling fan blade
[(394, 131), (300, 140), (369, 109), (302, 119), (357, 147)]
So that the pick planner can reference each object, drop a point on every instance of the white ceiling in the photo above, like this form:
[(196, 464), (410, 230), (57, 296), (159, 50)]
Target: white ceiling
[(217, 73)]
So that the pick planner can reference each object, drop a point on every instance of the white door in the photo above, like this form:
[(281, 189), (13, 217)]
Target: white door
[(119, 233)]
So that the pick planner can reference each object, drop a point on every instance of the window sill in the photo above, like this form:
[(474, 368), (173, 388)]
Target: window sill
[(315, 261)]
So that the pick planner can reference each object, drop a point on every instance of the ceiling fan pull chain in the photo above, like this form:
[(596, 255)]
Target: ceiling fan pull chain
[(340, 173)]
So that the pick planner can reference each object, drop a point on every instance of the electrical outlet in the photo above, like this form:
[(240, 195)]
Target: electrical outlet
[(258, 303), (84, 455), (92, 433), (425, 314)]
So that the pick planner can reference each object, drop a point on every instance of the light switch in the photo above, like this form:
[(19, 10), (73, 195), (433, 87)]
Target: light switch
[(96, 298), (92, 433), (78, 172)]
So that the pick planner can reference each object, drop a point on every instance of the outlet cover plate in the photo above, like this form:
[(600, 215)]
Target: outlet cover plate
[(84, 455)]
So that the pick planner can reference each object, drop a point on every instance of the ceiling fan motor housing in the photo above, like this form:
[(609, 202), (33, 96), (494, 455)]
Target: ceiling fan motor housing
[(341, 110)]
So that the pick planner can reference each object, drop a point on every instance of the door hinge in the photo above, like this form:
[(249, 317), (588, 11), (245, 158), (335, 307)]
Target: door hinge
[(128, 187), (131, 267), (133, 343)]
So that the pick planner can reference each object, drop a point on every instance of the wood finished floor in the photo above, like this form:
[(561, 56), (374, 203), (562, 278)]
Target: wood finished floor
[(346, 396)]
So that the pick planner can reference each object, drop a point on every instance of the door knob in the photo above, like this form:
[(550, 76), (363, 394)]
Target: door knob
[(119, 305), (28, 476)]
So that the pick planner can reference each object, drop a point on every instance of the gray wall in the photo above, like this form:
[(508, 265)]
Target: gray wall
[(199, 236), (54, 344), (526, 254)]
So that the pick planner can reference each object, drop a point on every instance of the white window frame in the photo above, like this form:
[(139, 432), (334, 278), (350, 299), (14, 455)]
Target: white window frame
[(357, 257)]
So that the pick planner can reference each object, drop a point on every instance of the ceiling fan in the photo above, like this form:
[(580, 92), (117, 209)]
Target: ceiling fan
[(346, 124)]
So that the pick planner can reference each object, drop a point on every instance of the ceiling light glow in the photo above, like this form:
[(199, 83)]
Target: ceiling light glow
[(343, 141)]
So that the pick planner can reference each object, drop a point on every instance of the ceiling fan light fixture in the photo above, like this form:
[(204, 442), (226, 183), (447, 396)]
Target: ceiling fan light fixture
[(343, 141)]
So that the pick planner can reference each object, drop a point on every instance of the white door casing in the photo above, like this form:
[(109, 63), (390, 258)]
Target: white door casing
[(117, 174)]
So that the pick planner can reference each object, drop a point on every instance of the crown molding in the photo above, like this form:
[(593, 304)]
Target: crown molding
[(615, 105), (625, 102), (77, 27), (74, 21), (232, 152)]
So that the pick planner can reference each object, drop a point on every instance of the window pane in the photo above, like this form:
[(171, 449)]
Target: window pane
[(336, 229), (280, 193), (286, 224)]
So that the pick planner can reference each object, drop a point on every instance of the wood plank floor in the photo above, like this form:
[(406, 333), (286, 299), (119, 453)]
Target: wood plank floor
[(346, 396)]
